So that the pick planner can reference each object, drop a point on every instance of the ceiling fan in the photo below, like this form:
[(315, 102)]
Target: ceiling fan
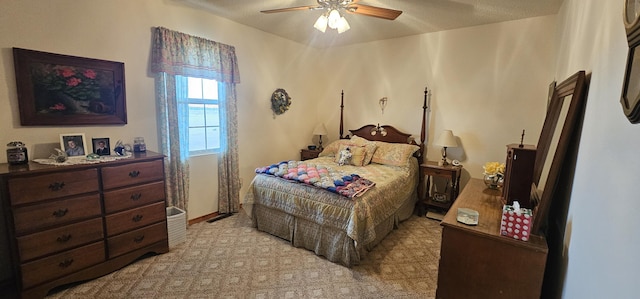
[(332, 16)]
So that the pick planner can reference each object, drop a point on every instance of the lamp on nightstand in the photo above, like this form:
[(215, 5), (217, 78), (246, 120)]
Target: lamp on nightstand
[(445, 140), (320, 130)]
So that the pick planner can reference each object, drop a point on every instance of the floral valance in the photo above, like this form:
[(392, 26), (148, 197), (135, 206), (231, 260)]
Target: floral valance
[(177, 53)]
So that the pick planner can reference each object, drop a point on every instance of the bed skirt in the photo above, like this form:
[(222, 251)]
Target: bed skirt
[(332, 243)]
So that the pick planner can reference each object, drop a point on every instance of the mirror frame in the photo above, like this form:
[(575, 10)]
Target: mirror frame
[(631, 102), (576, 88)]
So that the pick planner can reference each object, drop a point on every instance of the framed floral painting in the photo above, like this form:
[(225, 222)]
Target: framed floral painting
[(62, 90)]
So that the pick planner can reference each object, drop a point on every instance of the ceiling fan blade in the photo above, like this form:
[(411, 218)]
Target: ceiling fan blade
[(373, 11), (308, 7)]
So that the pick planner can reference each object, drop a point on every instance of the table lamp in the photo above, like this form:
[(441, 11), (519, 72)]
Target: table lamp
[(445, 140), (320, 130)]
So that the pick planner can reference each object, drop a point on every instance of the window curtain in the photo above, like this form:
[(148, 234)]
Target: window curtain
[(179, 54)]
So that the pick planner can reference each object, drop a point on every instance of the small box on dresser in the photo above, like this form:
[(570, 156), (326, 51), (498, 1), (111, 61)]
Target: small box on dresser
[(59, 232), (516, 222)]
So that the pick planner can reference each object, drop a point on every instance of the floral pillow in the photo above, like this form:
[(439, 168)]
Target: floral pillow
[(397, 154), (332, 149), (357, 154), (369, 146)]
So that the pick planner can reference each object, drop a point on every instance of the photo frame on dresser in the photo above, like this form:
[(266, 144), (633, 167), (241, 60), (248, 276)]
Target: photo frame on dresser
[(74, 145), (563, 113)]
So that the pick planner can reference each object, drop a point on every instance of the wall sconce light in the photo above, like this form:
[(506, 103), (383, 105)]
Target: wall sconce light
[(320, 130), (445, 140)]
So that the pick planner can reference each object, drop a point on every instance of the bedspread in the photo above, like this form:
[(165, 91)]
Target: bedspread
[(395, 185)]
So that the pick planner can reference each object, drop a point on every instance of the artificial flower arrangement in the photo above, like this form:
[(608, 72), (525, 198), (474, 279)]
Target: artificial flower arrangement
[(493, 168), (493, 174)]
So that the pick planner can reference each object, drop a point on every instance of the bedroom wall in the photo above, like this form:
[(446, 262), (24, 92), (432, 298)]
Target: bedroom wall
[(488, 83), (601, 241), (120, 30)]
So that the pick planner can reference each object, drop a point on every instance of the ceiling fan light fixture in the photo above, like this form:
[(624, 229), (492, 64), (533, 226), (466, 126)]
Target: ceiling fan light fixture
[(343, 25), (334, 19), (321, 23)]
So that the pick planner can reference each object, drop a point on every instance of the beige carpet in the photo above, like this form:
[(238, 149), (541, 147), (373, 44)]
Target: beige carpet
[(230, 259)]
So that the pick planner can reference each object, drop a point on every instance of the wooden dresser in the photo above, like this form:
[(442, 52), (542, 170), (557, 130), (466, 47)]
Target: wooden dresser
[(73, 223), (477, 262)]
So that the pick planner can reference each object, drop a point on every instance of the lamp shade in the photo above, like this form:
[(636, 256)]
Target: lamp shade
[(343, 25), (320, 130), (446, 139), (321, 23)]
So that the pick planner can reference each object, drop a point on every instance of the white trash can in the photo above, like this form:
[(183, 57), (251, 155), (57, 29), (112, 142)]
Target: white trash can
[(176, 226)]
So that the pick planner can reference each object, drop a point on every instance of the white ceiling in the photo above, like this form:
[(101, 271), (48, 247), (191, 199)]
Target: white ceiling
[(418, 17)]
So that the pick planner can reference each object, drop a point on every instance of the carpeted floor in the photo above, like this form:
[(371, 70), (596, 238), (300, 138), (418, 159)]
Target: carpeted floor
[(230, 259)]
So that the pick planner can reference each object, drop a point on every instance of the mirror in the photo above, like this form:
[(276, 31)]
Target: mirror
[(630, 98), (562, 115)]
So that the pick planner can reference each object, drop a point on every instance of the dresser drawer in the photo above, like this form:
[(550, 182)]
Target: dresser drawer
[(39, 271), (438, 172), (134, 173), (59, 239), (122, 199), (31, 218), (135, 218), (42, 187), (139, 238)]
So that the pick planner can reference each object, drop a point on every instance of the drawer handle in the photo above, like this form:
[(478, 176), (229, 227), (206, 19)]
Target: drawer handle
[(134, 173), (138, 239), (137, 218), (65, 263), (64, 238), (61, 212), (57, 186), (136, 196)]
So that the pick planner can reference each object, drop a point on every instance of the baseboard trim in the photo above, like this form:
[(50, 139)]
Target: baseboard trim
[(203, 218)]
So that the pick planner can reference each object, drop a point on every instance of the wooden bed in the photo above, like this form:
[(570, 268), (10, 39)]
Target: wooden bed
[(339, 228)]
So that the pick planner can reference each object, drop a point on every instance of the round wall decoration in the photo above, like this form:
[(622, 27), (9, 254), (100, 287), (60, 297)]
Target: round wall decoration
[(280, 101)]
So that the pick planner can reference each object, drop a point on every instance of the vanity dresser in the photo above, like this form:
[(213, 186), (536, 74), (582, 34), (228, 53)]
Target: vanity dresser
[(477, 262), (72, 223)]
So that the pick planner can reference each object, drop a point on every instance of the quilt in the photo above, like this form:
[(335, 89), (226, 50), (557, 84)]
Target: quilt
[(333, 180)]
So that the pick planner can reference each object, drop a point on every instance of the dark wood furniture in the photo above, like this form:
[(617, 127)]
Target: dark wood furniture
[(518, 174), (477, 262), (428, 171), (73, 223), (306, 154)]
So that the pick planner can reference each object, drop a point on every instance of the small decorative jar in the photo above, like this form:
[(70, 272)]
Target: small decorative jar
[(139, 145), (17, 153), (493, 181)]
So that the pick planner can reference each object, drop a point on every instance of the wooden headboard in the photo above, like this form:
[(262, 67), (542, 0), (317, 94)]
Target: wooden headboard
[(388, 133)]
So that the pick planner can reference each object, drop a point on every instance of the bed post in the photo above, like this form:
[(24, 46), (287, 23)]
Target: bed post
[(424, 117), (341, 109)]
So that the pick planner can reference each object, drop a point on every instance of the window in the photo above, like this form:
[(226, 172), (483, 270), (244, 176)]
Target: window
[(202, 115)]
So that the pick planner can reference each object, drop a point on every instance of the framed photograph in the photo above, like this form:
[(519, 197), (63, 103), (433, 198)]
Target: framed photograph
[(62, 90), (74, 144), (101, 146)]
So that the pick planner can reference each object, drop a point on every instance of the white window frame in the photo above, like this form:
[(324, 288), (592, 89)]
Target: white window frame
[(186, 101)]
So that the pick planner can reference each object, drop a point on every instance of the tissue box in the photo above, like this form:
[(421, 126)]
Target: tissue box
[(516, 225)]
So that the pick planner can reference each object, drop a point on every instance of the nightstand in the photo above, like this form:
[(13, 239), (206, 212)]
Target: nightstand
[(306, 154), (439, 200)]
